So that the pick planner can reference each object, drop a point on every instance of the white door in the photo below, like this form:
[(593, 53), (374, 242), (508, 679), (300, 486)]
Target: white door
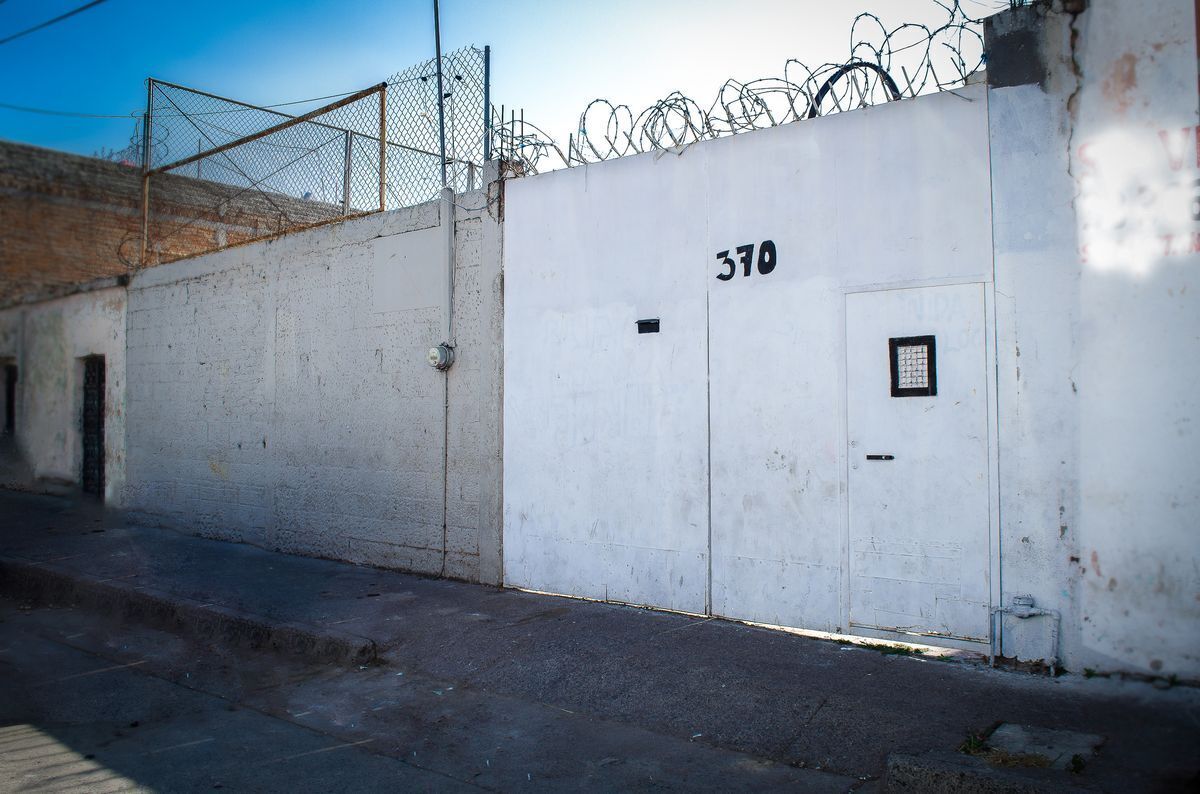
[(917, 426)]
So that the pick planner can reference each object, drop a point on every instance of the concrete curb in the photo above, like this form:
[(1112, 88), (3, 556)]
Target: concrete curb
[(946, 772), (44, 583)]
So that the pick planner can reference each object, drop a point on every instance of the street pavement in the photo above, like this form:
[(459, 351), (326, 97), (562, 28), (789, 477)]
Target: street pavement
[(509, 690)]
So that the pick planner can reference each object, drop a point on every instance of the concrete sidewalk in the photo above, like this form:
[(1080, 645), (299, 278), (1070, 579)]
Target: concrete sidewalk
[(798, 702)]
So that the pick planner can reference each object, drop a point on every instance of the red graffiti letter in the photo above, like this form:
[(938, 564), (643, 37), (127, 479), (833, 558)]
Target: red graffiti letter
[(1175, 159)]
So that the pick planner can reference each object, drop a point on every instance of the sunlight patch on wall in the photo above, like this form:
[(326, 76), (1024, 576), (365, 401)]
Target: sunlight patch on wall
[(1139, 198)]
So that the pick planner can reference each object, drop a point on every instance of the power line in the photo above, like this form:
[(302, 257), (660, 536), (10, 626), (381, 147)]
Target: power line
[(50, 22), (46, 112), (276, 105), (135, 114)]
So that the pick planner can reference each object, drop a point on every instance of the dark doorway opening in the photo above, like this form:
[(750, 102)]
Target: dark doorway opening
[(10, 398), (93, 425)]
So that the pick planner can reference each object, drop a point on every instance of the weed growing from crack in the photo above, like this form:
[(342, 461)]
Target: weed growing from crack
[(974, 744)]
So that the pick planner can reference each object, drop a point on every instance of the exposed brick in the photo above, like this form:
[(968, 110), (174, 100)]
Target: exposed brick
[(70, 220)]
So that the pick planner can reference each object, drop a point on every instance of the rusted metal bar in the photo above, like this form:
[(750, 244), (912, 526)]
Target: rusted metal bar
[(147, 143), (221, 98), (248, 106), (383, 147), (291, 122)]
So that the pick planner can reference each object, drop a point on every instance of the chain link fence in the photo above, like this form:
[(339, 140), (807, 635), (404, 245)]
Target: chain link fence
[(219, 172), (413, 122)]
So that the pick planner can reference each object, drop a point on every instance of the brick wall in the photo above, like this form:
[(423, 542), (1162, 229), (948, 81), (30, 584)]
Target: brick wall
[(69, 220)]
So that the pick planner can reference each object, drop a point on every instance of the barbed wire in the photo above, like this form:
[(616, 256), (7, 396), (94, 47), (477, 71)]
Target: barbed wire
[(883, 65)]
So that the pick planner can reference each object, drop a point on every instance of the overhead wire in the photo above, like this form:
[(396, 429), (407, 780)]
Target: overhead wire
[(49, 22), (136, 113), (70, 113)]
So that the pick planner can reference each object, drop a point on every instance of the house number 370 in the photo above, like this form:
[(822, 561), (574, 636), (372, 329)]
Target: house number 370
[(745, 256)]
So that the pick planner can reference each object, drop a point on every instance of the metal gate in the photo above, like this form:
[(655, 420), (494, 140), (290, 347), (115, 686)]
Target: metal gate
[(10, 398), (917, 421), (93, 425)]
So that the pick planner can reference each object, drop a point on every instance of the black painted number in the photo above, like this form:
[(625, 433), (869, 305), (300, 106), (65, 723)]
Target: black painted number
[(767, 259), (729, 263), (746, 254)]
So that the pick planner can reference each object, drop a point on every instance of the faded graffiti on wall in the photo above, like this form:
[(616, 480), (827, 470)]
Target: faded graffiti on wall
[(1139, 177), (1139, 197)]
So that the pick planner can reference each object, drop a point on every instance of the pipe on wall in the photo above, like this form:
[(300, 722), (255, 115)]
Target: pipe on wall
[(1023, 608)]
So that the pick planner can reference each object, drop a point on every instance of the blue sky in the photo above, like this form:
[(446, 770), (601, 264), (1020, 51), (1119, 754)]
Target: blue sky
[(549, 57)]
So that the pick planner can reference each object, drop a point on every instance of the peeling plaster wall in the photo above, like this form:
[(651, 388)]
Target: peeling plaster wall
[(280, 394), (1134, 157), (1094, 166), (47, 341)]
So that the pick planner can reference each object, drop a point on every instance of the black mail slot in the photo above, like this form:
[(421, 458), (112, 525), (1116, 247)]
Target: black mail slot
[(648, 326), (881, 457)]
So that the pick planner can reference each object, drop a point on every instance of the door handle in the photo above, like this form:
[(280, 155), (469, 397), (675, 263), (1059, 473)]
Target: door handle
[(881, 457)]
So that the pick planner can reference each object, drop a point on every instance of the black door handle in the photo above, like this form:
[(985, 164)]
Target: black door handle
[(881, 457)]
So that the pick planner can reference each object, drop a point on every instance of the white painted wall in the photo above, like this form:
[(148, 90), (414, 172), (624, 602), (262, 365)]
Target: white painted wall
[(279, 393), (611, 433), (855, 200), (1087, 180), (606, 460), (1098, 329), (1140, 333), (1037, 316), (48, 341)]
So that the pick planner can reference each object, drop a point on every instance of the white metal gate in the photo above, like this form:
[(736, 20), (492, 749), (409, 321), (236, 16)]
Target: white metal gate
[(917, 447)]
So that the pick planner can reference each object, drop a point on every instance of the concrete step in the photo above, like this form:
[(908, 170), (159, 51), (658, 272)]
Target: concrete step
[(46, 584)]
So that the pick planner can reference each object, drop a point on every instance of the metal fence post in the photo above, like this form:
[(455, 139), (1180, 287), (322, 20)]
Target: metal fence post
[(383, 147), (346, 173), (437, 43), (487, 103)]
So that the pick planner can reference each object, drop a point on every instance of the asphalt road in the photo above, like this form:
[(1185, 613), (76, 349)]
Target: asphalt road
[(500, 689), (72, 720), (91, 706)]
